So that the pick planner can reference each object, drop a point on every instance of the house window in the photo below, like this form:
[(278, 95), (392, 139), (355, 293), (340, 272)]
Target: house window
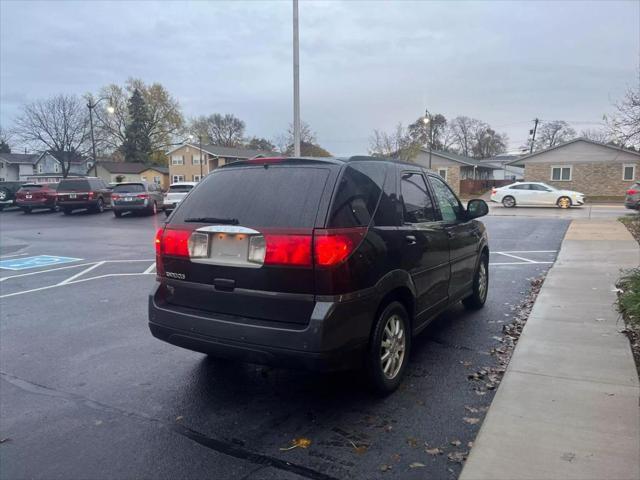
[(56, 167), (40, 168), (195, 159), (156, 180), (177, 160), (561, 174), (629, 172), (143, 178), (178, 178), (443, 173), (197, 178)]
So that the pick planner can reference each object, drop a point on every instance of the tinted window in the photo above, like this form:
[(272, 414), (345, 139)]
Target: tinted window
[(540, 188), (357, 195), (418, 206), (520, 187), (30, 188), (276, 196), (450, 207), (389, 212), (129, 188), (180, 188), (74, 186)]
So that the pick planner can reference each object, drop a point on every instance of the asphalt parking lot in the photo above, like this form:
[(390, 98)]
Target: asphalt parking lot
[(87, 392)]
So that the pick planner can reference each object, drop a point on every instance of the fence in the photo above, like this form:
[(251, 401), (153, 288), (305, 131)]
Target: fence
[(477, 187)]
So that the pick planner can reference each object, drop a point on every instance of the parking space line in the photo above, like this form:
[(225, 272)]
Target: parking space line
[(79, 274), (529, 251), (518, 263), (12, 255), (151, 268), (45, 271), (515, 256)]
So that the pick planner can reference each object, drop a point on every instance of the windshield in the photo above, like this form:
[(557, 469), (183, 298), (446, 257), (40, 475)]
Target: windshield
[(129, 188)]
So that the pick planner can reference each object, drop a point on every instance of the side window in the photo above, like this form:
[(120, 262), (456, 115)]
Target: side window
[(358, 193), (450, 207), (418, 206), (520, 187)]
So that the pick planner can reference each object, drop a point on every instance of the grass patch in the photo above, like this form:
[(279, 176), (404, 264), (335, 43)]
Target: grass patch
[(628, 302)]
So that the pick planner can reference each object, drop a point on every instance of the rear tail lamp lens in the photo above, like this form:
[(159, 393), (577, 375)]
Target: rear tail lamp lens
[(143, 195), (257, 249), (175, 243), (90, 195), (288, 250), (198, 245), (332, 247), (631, 191), (115, 196)]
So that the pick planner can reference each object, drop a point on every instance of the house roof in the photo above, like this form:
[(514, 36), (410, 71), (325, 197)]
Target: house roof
[(17, 158), (524, 158), (79, 160), (225, 152), (472, 162), (158, 169), (123, 167)]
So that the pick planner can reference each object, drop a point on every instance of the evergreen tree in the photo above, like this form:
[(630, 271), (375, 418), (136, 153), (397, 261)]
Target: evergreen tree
[(4, 147), (137, 145)]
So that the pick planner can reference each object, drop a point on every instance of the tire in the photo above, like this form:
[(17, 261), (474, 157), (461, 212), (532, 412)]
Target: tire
[(54, 209), (4, 195), (477, 299), (395, 345), (564, 202), (117, 213), (26, 210), (67, 211), (99, 208), (508, 202), (154, 209)]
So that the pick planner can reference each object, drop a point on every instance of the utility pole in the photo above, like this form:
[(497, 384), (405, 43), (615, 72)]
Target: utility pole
[(296, 83), (533, 132)]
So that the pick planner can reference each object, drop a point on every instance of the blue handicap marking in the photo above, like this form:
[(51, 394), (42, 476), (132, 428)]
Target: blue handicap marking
[(35, 262)]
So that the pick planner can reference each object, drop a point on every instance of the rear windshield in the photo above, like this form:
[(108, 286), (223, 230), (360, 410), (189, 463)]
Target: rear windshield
[(30, 188), (284, 197), (129, 188), (74, 186), (180, 188)]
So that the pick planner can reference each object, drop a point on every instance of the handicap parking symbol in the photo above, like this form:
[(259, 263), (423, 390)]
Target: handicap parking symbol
[(35, 262)]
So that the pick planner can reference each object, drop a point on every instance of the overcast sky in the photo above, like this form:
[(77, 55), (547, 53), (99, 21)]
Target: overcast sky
[(363, 65)]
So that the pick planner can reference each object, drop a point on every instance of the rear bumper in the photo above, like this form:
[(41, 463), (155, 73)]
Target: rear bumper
[(123, 207), (73, 204), (632, 204), (44, 203), (335, 338)]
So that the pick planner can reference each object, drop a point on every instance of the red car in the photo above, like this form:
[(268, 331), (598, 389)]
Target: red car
[(32, 196)]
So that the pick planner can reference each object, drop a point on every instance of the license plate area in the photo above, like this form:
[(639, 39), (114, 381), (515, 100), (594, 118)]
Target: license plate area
[(73, 195), (28, 197), (225, 245)]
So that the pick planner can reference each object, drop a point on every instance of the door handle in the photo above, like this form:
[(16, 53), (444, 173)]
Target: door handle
[(411, 239)]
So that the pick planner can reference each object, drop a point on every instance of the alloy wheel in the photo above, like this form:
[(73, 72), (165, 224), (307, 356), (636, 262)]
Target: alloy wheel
[(482, 281), (564, 202), (393, 346)]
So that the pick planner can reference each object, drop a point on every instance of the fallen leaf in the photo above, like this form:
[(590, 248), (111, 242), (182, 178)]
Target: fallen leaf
[(396, 457), (388, 428), (98, 422), (385, 468), (359, 449), (470, 444), (298, 443), (456, 443), (417, 465), (412, 442), (434, 451), (179, 417), (471, 409), (457, 457), (4, 440), (471, 420)]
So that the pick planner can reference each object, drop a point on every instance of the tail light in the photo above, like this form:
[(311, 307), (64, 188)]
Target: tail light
[(173, 243), (288, 250), (494, 190), (631, 191), (115, 196), (143, 195), (333, 246), (90, 195)]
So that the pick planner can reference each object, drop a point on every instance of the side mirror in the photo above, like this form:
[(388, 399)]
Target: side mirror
[(477, 208)]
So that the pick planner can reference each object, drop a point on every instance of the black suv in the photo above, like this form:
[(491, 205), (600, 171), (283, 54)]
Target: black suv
[(318, 263), (89, 193)]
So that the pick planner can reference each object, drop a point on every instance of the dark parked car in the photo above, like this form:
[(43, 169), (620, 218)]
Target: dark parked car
[(89, 193), (319, 263), (136, 197), (35, 196), (8, 192), (632, 200)]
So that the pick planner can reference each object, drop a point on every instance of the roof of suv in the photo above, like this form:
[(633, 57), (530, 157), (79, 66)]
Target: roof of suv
[(331, 160)]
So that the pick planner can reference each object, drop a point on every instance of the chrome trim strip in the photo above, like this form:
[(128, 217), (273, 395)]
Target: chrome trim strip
[(228, 229)]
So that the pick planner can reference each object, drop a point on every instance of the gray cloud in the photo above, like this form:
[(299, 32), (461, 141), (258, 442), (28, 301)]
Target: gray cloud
[(364, 65)]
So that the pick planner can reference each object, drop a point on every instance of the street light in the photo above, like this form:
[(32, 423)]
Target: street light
[(91, 106), (428, 120)]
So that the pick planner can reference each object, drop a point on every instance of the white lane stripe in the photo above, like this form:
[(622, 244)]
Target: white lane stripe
[(151, 268), (45, 271), (528, 251), (72, 283), (516, 257), (519, 263), (129, 261), (13, 255), (79, 274)]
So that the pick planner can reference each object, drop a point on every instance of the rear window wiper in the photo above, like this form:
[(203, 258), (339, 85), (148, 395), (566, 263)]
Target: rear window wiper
[(223, 221)]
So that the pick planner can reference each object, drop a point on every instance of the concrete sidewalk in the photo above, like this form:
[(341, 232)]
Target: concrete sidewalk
[(568, 405)]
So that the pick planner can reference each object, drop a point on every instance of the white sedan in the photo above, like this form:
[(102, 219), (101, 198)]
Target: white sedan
[(535, 194), (177, 191)]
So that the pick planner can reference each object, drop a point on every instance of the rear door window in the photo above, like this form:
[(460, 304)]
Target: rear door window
[(357, 196), (277, 196), (74, 186), (128, 188), (418, 206)]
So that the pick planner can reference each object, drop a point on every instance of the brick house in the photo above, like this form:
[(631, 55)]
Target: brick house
[(185, 160), (593, 168), (454, 168)]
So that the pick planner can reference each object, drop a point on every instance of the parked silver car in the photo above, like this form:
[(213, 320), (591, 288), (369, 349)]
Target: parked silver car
[(177, 191), (136, 197)]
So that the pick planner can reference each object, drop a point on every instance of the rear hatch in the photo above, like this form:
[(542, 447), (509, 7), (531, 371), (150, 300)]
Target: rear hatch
[(129, 194), (176, 193), (250, 255), (74, 190), (34, 193)]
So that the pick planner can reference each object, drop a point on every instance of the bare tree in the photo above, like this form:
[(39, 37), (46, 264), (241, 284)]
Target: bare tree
[(309, 146), (59, 125), (5, 140), (624, 124), (464, 131), (396, 144), (223, 130), (307, 135), (488, 143), (601, 136), (553, 133), (429, 134)]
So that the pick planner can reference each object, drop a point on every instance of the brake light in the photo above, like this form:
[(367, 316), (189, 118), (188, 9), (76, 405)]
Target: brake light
[(288, 250), (494, 191), (115, 196), (631, 191), (333, 246), (143, 195), (175, 243)]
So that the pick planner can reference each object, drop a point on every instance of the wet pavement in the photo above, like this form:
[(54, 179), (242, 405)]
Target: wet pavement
[(87, 392)]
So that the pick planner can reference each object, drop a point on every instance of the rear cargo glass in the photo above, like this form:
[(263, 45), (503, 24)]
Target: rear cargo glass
[(129, 188), (277, 196), (180, 188), (30, 188), (74, 186)]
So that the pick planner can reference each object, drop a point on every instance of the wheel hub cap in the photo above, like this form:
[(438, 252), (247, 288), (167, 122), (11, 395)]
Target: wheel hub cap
[(393, 347)]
